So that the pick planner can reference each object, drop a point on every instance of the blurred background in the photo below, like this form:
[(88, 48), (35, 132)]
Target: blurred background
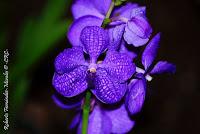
[(34, 32)]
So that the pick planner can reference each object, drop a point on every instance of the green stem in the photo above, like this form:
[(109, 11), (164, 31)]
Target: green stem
[(86, 111), (112, 5), (106, 19)]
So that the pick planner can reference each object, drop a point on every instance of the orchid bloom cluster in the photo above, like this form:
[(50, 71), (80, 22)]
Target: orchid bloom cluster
[(106, 38)]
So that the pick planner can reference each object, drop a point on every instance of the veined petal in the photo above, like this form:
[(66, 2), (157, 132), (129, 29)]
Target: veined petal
[(140, 26), (116, 34), (82, 8), (124, 11), (121, 122), (95, 40), (131, 38), (72, 83), (163, 67), (69, 59), (99, 123), (107, 89), (67, 105), (136, 95), (150, 51), (78, 25), (102, 5), (118, 65)]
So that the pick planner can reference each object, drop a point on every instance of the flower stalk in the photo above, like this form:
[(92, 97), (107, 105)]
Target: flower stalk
[(86, 111), (107, 18)]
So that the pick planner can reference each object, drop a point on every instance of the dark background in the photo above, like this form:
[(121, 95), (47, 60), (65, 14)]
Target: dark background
[(172, 104)]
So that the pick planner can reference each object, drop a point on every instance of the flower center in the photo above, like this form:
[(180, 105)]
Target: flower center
[(92, 68)]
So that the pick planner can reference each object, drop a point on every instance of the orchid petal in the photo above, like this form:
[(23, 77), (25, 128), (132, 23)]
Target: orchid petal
[(107, 89), (121, 122), (138, 11), (116, 34), (82, 8), (69, 59), (140, 27), (124, 11), (72, 83), (136, 95), (102, 5), (138, 30), (150, 51), (131, 38), (95, 40), (118, 65), (78, 25), (99, 123), (163, 67)]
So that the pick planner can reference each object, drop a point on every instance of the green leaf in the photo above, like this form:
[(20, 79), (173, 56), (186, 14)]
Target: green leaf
[(33, 47), (40, 35)]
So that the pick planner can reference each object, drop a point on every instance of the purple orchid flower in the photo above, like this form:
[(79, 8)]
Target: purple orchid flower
[(84, 67), (137, 88), (107, 79), (105, 121), (128, 21)]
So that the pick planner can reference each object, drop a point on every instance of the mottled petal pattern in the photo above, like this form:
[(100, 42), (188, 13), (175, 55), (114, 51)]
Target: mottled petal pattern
[(118, 65), (69, 59), (78, 25), (72, 83), (136, 95), (121, 122), (163, 67), (107, 89), (150, 51), (82, 8), (95, 40), (116, 34)]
